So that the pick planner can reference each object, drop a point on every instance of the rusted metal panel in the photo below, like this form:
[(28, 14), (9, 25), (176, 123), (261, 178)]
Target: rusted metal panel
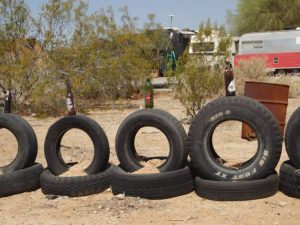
[(273, 96)]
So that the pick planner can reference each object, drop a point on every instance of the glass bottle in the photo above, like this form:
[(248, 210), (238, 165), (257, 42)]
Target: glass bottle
[(229, 80), (7, 102), (70, 100), (148, 94)]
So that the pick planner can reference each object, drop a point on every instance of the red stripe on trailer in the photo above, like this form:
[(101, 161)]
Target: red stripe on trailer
[(282, 60)]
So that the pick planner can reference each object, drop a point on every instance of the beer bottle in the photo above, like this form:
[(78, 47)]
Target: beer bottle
[(148, 94), (229, 80), (70, 100), (7, 102)]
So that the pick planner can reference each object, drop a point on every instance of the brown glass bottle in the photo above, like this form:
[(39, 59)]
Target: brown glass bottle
[(7, 102), (148, 95), (70, 100), (229, 80)]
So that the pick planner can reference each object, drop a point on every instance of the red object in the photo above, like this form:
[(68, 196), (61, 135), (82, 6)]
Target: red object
[(283, 60), (273, 96)]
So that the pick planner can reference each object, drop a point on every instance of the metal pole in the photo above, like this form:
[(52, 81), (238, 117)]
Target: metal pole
[(171, 21)]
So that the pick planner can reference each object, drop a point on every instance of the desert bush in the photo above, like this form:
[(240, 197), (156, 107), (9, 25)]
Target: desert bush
[(52, 102), (253, 69), (292, 82), (294, 88), (200, 77), (22, 69), (196, 85), (103, 60)]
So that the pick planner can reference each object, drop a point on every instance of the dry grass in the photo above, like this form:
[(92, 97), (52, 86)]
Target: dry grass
[(293, 82), (249, 70), (254, 70)]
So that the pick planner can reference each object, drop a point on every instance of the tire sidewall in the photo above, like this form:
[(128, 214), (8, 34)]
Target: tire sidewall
[(292, 140), (26, 139), (55, 134), (126, 134), (202, 131)]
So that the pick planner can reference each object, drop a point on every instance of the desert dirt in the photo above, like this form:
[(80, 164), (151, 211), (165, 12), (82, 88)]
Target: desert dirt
[(104, 208)]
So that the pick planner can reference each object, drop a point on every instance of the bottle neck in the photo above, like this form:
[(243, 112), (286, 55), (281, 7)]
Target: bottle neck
[(69, 91)]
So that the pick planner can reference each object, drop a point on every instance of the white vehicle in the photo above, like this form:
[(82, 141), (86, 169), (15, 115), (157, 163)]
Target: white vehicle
[(209, 46), (281, 49)]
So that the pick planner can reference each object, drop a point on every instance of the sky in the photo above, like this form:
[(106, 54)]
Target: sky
[(187, 13)]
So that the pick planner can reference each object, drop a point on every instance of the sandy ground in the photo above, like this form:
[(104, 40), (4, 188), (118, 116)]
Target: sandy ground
[(104, 208)]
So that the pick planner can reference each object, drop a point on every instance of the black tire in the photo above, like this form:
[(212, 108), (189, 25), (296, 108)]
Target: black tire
[(289, 180), (153, 186), (26, 138), (20, 181), (292, 138), (289, 173), (75, 186), (54, 136), (242, 109), (236, 190), (161, 120), (281, 72), (289, 189)]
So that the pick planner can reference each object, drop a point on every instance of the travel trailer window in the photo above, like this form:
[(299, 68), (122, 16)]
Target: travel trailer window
[(203, 47), (249, 45)]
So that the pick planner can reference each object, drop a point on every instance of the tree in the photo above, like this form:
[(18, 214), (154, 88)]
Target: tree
[(15, 19), (104, 60), (200, 76), (55, 23), (264, 15), (159, 39), (21, 58)]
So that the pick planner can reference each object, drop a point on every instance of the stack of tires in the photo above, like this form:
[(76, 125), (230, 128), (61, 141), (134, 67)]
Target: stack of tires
[(98, 172), (204, 172), (175, 177), (290, 170), (22, 174), (255, 178)]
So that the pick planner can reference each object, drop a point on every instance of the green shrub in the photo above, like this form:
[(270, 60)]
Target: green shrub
[(196, 85), (199, 76), (103, 60)]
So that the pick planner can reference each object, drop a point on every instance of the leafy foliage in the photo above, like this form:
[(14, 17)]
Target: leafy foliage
[(197, 84), (103, 60), (15, 19), (264, 15), (200, 76)]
